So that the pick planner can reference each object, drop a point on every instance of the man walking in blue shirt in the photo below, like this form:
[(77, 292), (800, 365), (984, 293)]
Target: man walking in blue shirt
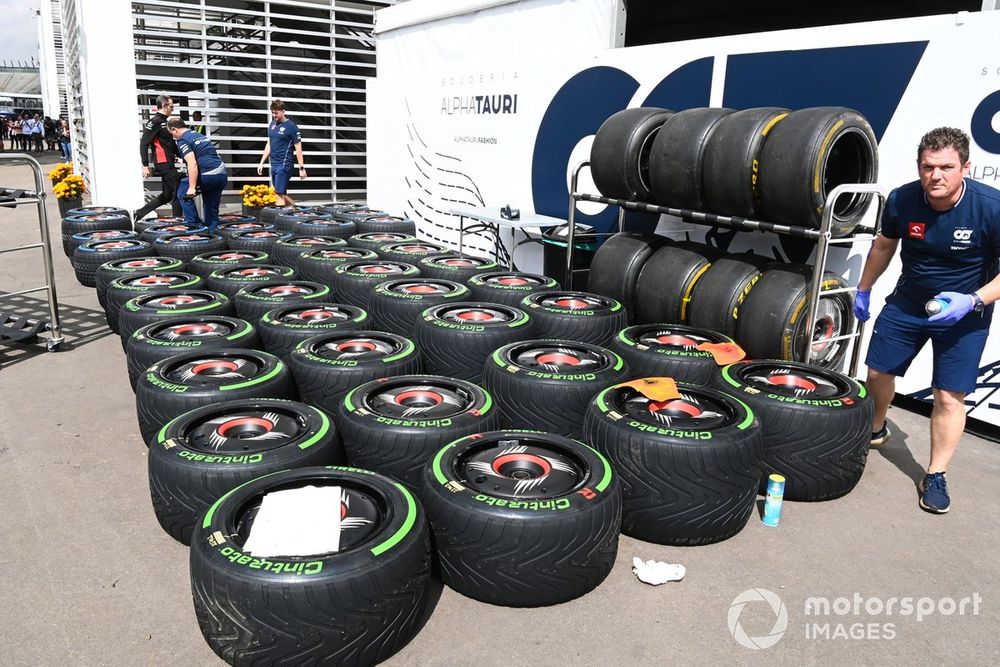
[(284, 147), (206, 171)]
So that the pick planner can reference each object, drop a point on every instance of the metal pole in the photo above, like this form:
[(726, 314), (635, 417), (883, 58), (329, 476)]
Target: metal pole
[(571, 222)]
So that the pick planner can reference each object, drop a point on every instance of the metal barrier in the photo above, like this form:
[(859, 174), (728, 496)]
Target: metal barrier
[(38, 198)]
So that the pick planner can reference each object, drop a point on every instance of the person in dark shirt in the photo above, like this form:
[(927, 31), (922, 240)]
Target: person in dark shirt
[(157, 139), (284, 147), (949, 229), (205, 171)]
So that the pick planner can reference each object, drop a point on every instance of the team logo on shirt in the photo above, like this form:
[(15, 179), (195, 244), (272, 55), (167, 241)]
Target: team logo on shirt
[(963, 235), (916, 230)]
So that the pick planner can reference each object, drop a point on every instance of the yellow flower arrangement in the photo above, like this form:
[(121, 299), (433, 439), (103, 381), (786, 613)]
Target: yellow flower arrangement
[(257, 196), (60, 171), (70, 187)]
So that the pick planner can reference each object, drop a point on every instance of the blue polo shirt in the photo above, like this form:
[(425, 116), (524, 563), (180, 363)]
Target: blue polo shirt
[(283, 137), (954, 250), (204, 151)]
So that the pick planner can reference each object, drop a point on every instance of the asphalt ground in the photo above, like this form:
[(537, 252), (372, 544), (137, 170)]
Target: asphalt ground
[(87, 577)]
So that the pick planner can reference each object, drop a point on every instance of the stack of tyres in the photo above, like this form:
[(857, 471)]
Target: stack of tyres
[(375, 241), (231, 281), (78, 221), (164, 305), (509, 287), (133, 266), (252, 302), (320, 265), (121, 290), (256, 239), (89, 256), (286, 251), (580, 316), (672, 350), (283, 328)]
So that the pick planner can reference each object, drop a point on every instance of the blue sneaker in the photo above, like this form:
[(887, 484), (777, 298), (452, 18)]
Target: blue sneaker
[(934, 493)]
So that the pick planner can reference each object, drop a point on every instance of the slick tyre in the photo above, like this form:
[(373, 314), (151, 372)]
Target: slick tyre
[(396, 425), (619, 156), (386, 223), (689, 466), (509, 288), (132, 266), (162, 305), (357, 606), (522, 519), (89, 256), (200, 456), (283, 328), (327, 366), (128, 287), (580, 316), (204, 264), (396, 305), (668, 350), (772, 320), (231, 281), (806, 156), (456, 339), (375, 240), (354, 282), (677, 156), (157, 341), (187, 246), (718, 296), (816, 424), (732, 160), (190, 380), (546, 384), (320, 265), (666, 282), (614, 271)]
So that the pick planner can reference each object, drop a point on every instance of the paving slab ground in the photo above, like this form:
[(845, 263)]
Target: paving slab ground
[(89, 578)]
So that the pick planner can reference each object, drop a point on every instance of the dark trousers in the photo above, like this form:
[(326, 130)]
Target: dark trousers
[(211, 186), (171, 180)]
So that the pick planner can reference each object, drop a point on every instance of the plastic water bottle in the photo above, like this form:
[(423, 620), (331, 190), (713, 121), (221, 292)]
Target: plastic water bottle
[(772, 501), (935, 306)]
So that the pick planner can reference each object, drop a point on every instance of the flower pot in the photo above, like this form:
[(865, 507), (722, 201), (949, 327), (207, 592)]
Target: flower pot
[(253, 211), (66, 205)]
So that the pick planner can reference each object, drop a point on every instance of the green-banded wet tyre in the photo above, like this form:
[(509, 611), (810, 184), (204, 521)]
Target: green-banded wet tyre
[(668, 350), (147, 223), (324, 227), (286, 251), (256, 239), (354, 282), (187, 245), (231, 281), (386, 223), (327, 366), (522, 518), (580, 316), (163, 305), (816, 424), (456, 339), (509, 288), (156, 341), (396, 305), (190, 380), (375, 240), (229, 229), (283, 328), (411, 252), (547, 384), (131, 266), (252, 302), (205, 453), (207, 263), (155, 231), (396, 425), (78, 239), (689, 466), (320, 265), (89, 256), (130, 286), (286, 220), (356, 606), (458, 269)]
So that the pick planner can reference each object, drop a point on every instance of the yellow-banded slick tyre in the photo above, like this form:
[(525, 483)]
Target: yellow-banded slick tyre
[(356, 606), (203, 454), (668, 350), (522, 518), (394, 426), (689, 466), (546, 384), (816, 424), (584, 317), (666, 283), (719, 294), (806, 156), (327, 366), (772, 320)]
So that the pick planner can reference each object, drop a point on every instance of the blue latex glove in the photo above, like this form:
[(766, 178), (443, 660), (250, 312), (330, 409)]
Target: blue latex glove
[(958, 307), (862, 299)]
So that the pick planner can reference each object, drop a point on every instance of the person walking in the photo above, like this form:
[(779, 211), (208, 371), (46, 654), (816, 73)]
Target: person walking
[(948, 226), (155, 137), (65, 139), (38, 133), (49, 126), (205, 171), (284, 147), (16, 129), (4, 132)]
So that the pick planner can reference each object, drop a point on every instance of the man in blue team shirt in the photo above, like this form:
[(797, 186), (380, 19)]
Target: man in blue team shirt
[(284, 146), (949, 229), (206, 170)]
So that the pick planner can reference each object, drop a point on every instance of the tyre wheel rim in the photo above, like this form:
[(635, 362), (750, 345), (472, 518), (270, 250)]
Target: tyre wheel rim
[(433, 400), (188, 238), (361, 516), (174, 301), (384, 218), (336, 254), (521, 469), (316, 315), (251, 273), (560, 359), (476, 315), (420, 287), (142, 263), (283, 290), (674, 338), (98, 236), (415, 249), (152, 281), (245, 432), (461, 262), (378, 269), (309, 242), (215, 369), (259, 235), (116, 245), (388, 237), (571, 301), (792, 381), (690, 411), (361, 348), (231, 256), (830, 323), (511, 280), (181, 331)]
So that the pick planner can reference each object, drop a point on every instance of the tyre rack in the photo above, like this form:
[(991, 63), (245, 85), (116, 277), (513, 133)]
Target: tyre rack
[(822, 236), (26, 329)]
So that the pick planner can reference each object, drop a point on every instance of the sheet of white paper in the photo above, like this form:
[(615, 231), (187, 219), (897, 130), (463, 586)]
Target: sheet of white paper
[(296, 522), (656, 572)]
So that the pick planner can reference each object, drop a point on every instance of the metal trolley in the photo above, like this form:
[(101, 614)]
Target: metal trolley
[(17, 329), (823, 237)]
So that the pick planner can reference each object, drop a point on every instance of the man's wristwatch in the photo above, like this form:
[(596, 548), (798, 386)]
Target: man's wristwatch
[(302, 166), (977, 302)]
